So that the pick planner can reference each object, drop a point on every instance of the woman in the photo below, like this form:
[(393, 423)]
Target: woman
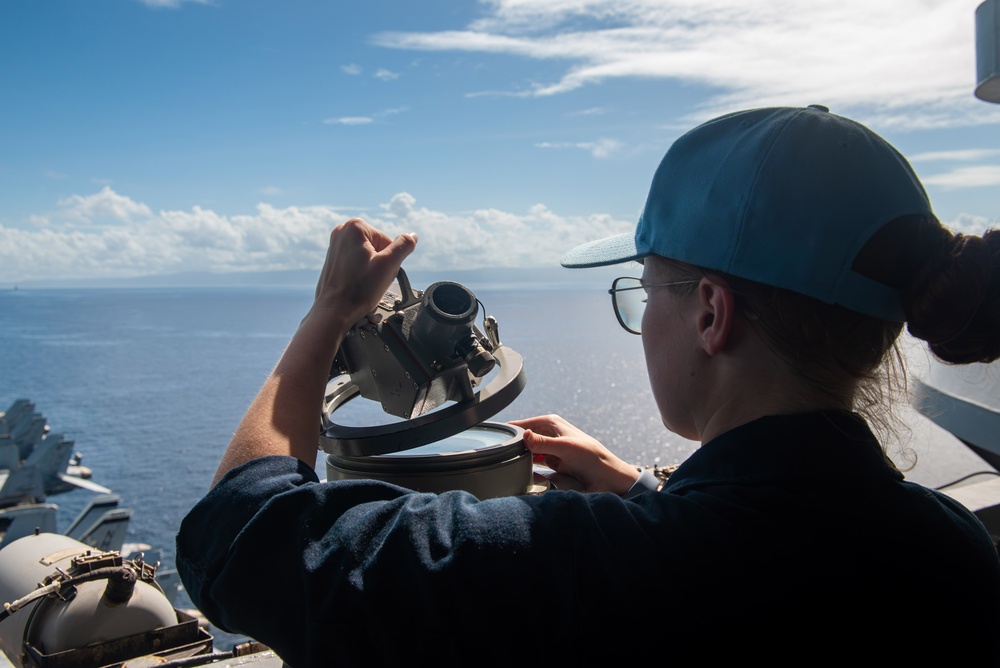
[(782, 250)]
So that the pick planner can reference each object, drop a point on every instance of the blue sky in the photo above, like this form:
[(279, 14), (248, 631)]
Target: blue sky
[(161, 136)]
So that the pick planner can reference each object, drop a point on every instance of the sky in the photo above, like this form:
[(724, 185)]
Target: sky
[(155, 137)]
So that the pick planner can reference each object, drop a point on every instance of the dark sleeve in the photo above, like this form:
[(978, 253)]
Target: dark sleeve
[(366, 571)]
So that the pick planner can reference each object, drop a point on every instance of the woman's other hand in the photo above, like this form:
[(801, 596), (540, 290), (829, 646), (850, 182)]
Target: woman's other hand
[(569, 451)]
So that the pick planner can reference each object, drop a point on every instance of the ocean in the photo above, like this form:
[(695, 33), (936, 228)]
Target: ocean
[(151, 382)]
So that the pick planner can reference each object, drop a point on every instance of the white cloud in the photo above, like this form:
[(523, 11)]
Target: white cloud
[(971, 225), (960, 155), (385, 75), (896, 63), (108, 234), (493, 238), (349, 120), (106, 206), (602, 148), (271, 191), (351, 69), (966, 177), (592, 111), (171, 4), (365, 120)]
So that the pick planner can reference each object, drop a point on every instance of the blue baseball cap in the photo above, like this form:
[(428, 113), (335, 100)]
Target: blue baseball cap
[(782, 196)]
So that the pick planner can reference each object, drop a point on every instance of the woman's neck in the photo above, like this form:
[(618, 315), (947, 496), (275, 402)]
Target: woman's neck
[(752, 382)]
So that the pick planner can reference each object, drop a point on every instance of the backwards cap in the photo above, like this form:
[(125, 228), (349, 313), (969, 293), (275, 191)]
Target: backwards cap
[(786, 197)]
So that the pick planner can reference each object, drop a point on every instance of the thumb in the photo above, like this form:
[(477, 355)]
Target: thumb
[(535, 442), (390, 258), (401, 246)]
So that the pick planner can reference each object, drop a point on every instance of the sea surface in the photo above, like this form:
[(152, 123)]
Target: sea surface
[(151, 382)]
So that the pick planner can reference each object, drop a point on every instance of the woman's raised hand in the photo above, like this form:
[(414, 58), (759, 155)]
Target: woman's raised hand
[(361, 262)]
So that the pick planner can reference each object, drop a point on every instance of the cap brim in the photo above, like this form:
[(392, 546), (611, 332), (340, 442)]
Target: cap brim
[(600, 253)]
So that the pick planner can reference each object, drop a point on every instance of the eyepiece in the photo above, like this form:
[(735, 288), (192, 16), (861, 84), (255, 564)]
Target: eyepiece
[(451, 303)]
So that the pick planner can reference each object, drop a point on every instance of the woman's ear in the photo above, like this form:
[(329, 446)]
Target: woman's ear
[(717, 311)]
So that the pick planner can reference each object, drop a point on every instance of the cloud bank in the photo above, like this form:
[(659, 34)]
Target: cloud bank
[(893, 63), (108, 234)]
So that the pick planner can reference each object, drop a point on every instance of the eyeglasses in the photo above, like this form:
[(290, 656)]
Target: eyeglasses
[(630, 303)]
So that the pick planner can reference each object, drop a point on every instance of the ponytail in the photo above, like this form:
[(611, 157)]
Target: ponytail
[(949, 285)]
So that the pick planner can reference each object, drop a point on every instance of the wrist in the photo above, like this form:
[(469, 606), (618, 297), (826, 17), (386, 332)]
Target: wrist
[(316, 341), (618, 478), (331, 319)]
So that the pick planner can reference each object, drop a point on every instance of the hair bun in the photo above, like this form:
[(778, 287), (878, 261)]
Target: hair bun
[(955, 300)]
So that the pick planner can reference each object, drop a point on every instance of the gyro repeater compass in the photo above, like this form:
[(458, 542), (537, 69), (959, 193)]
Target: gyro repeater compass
[(423, 358)]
